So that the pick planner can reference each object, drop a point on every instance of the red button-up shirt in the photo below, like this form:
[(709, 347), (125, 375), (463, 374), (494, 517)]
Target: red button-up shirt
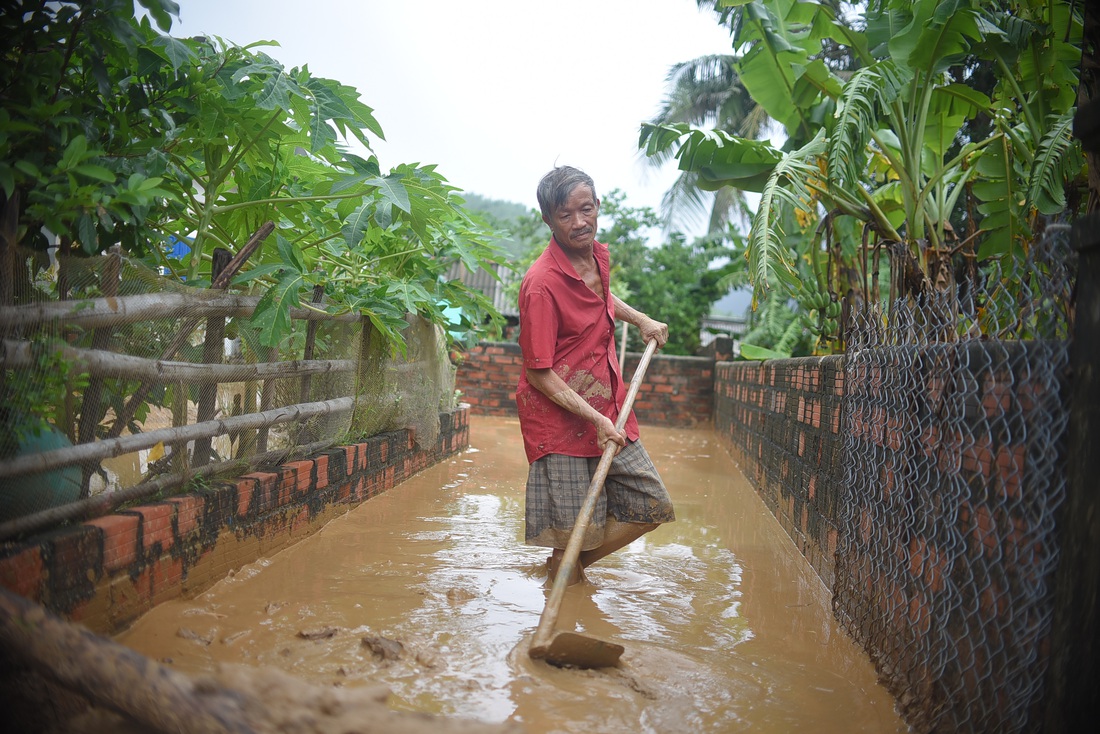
[(565, 326)]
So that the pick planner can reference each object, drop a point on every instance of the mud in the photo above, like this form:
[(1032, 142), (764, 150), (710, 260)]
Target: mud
[(428, 591)]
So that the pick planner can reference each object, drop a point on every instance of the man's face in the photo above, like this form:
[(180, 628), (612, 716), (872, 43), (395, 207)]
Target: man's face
[(574, 222)]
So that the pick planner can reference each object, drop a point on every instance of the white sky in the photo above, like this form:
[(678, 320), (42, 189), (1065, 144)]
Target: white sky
[(496, 92)]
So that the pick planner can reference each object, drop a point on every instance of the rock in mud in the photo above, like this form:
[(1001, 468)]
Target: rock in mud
[(383, 647)]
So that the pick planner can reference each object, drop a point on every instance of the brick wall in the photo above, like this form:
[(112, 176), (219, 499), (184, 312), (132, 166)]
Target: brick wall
[(781, 422), (928, 506), (676, 392), (108, 571)]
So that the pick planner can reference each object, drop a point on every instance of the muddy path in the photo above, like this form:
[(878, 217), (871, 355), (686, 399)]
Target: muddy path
[(428, 590)]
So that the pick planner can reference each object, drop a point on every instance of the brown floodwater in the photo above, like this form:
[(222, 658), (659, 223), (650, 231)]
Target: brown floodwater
[(726, 627)]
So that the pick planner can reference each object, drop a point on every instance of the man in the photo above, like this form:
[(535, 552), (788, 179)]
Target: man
[(571, 388)]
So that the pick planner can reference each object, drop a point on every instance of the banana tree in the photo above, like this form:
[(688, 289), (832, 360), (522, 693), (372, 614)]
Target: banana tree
[(888, 142)]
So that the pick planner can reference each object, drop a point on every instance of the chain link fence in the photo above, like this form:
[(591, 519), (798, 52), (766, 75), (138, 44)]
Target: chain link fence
[(954, 463)]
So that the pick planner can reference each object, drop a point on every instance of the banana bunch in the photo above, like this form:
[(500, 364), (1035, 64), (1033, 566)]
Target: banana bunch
[(821, 310)]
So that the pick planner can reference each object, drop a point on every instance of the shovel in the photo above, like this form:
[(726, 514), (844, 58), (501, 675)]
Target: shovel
[(573, 648)]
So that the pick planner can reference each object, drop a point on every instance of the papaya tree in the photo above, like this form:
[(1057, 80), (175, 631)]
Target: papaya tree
[(888, 154), (113, 132)]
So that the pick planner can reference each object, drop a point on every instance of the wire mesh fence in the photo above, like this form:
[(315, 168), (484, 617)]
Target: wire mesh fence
[(118, 383), (954, 462)]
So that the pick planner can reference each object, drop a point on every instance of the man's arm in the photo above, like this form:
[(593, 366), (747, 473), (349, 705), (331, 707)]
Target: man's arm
[(550, 384), (650, 328)]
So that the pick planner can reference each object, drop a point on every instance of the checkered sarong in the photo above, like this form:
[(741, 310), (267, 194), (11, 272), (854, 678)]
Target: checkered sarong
[(557, 485)]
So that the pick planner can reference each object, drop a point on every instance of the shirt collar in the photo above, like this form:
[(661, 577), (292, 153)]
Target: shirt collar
[(562, 261)]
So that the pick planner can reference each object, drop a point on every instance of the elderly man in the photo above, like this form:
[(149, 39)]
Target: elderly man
[(571, 388)]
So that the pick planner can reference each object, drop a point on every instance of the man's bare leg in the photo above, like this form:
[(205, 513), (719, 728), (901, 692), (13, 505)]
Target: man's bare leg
[(554, 561), (618, 535)]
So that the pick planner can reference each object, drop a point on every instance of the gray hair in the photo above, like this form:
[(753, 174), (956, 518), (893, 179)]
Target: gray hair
[(556, 186)]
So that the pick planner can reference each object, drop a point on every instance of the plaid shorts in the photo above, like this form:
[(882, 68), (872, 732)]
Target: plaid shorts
[(557, 485)]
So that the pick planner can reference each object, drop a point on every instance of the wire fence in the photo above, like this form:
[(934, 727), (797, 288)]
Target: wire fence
[(954, 462), (117, 383)]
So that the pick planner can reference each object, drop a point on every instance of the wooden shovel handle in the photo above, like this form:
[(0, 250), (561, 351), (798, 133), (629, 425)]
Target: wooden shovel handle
[(573, 548)]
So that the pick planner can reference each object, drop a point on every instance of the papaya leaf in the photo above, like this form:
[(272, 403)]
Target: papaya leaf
[(272, 316), (393, 191), (357, 223)]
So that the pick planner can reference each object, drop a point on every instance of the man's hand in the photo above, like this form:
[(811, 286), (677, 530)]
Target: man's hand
[(652, 329), (605, 432)]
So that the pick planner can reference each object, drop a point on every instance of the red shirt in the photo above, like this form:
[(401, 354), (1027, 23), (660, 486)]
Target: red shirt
[(564, 325)]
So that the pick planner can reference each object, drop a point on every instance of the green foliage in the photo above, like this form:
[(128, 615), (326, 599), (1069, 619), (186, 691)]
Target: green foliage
[(113, 133), (675, 282), (892, 141)]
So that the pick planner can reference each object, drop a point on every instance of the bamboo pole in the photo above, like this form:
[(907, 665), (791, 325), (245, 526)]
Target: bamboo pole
[(93, 313), (311, 339), (98, 312), (15, 354), (267, 396), (111, 447)]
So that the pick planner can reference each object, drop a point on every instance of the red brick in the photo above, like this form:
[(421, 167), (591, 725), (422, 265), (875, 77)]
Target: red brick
[(977, 457), (321, 462), (156, 525), (1011, 461), (22, 572), (120, 540), (304, 470), (188, 513), (166, 579), (245, 488)]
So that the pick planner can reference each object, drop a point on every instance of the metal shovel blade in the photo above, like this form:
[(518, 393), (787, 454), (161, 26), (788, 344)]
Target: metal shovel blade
[(579, 651)]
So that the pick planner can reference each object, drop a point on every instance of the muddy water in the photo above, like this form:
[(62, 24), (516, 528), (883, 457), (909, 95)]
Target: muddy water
[(726, 628)]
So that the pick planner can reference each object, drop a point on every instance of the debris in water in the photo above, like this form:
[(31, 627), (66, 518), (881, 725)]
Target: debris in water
[(457, 595), (384, 647), (318, 634), (230, 639), (188, 634)]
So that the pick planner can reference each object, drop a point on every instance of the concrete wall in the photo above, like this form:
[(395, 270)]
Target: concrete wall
[(108, 571)]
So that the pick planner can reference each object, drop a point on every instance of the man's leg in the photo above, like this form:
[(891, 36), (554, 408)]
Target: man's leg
[(637, 502), (554, 561), (618, 535)]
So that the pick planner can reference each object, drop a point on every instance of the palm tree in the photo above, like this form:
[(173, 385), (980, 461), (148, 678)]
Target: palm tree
[(706, 91)]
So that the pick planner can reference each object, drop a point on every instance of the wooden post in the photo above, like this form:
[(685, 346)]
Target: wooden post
[(1073, 679), (9, 230), (213, 349), (307, 354), (220, 282), (92, 409)]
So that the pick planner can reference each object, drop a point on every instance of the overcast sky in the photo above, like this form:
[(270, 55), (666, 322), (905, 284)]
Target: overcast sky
[(496, 92)]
